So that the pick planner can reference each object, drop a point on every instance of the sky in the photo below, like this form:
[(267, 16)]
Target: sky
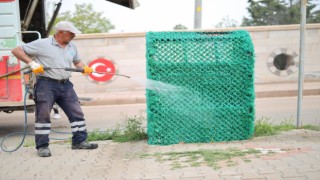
[(163, 15)]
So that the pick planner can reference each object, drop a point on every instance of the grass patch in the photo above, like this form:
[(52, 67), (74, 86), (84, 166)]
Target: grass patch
[(97, 135), (286, 125), (263, 127), (29, 143), (130, 130), (207, 157), (311, 127)]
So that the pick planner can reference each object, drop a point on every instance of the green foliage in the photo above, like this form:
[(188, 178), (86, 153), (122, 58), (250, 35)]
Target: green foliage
[(263, 127), (130, 130), (29, 143), (97, 135), (180, 27), (287, 125), (86, 19), (133, 130), (311, 127), (227, 22), (202, 156), (279, 12)]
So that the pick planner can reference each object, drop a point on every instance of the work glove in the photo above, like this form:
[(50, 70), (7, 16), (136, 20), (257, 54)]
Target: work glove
[(36, 68), (87, 70)]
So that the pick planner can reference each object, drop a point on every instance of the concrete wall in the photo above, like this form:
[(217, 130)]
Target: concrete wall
[(128, 50), (271, 40)]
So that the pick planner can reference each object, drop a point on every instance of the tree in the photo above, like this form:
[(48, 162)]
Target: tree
[(227, 22), (314, 17), (180, 27), (278, 12), (86, 19)]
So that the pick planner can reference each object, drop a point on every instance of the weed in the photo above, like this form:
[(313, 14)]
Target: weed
[(311, 127), (264, 128), (29, 143), (97, 135), (130, 130), (286, 125), (133, 130), (204, 156)]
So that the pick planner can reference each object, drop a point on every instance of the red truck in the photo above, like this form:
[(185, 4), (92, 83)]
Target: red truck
[(21, 22)]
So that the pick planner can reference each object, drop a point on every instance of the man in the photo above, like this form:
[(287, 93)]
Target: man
[(53, 86)]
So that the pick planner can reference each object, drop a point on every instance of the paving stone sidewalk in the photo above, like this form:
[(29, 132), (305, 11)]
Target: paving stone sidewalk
[(294, 155)]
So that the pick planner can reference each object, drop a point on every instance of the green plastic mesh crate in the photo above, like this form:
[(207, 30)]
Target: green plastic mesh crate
[(208, 92)]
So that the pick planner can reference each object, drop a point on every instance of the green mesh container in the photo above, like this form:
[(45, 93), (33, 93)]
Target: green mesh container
[(207, 87)]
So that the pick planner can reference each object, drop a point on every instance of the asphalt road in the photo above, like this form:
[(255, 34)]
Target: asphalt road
[(276, 110)]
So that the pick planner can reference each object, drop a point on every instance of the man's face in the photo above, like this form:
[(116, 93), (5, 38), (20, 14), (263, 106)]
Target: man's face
[(67, 36)]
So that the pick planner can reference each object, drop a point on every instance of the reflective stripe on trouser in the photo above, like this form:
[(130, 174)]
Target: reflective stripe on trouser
[(42, 131), (46, 94), (42, 128), (78, 127)]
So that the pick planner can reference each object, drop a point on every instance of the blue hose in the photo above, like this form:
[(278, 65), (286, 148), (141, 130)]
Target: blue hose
[(25, 127)]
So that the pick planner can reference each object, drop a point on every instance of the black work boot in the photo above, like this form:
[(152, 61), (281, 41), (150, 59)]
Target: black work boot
[(85, 145), (44, 152)]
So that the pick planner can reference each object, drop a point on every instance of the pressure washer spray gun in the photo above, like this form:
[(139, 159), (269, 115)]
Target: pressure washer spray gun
[(24, 133), (77, 70)]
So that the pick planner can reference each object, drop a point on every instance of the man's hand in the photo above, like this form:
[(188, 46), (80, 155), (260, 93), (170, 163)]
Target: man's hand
[(36, 68), (87, 70)]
